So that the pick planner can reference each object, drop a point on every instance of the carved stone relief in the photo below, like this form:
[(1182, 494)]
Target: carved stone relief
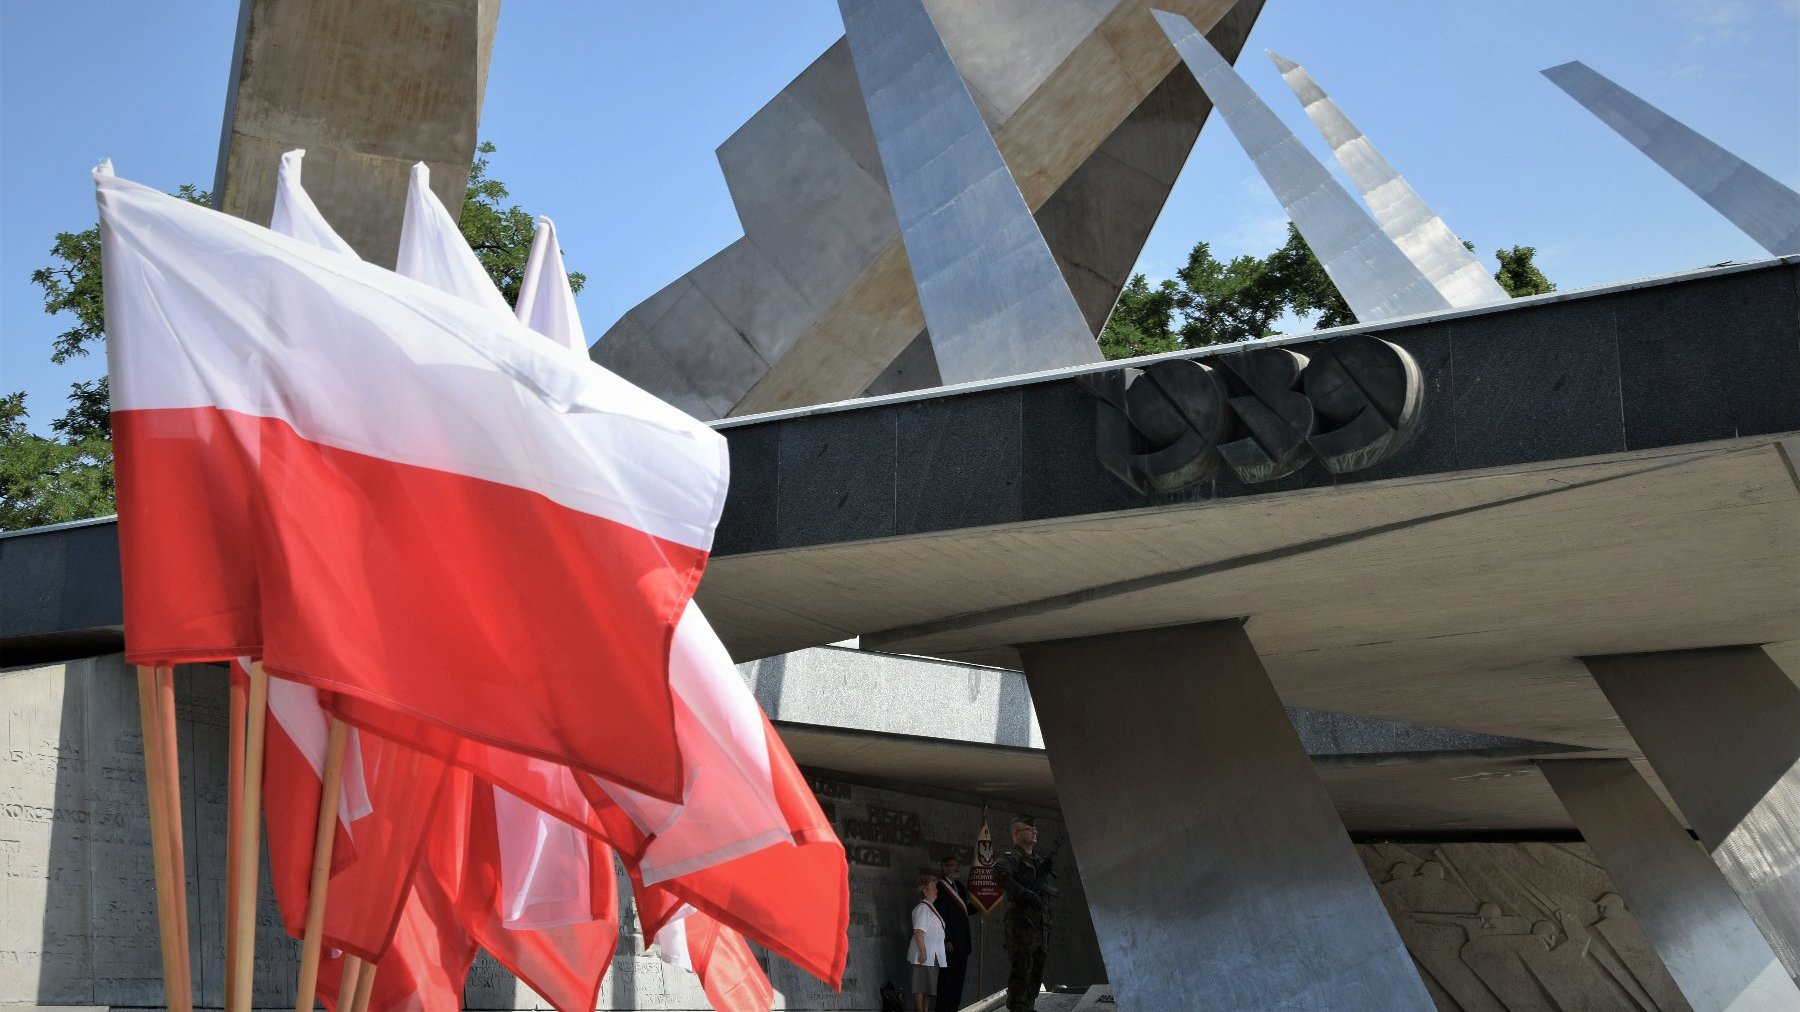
[(1519, 927)]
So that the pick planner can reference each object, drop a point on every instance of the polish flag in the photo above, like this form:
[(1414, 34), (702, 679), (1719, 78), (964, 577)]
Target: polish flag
[(294, 755), (394, 495), (748, 843)]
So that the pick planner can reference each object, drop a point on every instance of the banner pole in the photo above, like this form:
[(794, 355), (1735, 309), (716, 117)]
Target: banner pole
[(349, 982), (248, 843), (160, 840), (365, 987), (234, 793), (324, 836), (171, 771)]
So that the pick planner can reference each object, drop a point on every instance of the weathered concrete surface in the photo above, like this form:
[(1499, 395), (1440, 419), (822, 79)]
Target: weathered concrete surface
[(817, 298), (1687, 911), (1214, 863), (1721, 728), (367, 88)]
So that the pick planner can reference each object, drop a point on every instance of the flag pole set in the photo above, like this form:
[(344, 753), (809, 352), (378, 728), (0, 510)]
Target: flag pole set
[(450, 564)]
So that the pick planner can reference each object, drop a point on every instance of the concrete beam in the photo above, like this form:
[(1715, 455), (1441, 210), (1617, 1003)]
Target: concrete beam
[(1721, 728), (367, 88), (1216, 870), (1689, 912)]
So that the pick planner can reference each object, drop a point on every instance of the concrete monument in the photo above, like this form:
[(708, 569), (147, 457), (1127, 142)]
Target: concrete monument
[(817, 300)]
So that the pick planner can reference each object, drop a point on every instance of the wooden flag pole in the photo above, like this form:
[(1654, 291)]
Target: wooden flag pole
[(324, 835), (365, 986), (160, 840), (348, 983), (171, 771), (234, 793), (248, 843)]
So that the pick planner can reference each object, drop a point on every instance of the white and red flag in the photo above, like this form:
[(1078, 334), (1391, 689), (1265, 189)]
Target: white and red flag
[(748, 843), (394, 495)]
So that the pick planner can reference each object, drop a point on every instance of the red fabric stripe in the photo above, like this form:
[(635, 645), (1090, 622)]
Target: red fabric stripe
[(564, 964), (734, 981), (793, 900), (491, 610), (187, 497)]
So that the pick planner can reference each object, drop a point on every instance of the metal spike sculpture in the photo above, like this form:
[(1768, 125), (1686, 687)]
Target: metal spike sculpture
[(1374, 277), (1749, 198), (1397, 207)]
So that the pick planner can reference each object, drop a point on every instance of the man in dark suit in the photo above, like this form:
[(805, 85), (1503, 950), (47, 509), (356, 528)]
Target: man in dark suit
[(954, 906)]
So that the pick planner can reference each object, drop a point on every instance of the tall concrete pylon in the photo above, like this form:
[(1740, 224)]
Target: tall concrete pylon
[(1418, 230), (1748, 197), (1374, 277)]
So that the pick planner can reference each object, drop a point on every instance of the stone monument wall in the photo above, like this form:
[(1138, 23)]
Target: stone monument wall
[(1492, 926), (77, 895)]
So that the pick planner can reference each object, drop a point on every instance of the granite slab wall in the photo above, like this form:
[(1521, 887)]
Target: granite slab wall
[(1688, 359)]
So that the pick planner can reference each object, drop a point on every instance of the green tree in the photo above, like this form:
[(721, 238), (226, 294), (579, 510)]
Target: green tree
[(1212, 302), (500, 234), (69, 476), (1519, 274), (1139, 324), (49, 481)]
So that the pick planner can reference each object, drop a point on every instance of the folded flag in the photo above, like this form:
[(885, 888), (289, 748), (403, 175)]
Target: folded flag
[(394, 495)]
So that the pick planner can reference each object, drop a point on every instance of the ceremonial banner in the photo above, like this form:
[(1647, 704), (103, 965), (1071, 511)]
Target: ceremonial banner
[(986, 892)]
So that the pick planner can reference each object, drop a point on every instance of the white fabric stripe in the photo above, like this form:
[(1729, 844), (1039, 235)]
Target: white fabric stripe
[(545, 876), (731, 809), (296, 708), (295, 213), (671, 940), (546, 302), (231, 315), (433, 250)]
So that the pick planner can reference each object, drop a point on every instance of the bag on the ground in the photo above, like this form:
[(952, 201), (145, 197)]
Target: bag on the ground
[(891, 998)]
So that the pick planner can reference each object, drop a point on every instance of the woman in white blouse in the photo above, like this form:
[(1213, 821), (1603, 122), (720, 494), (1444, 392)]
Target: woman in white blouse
[(926, 950)]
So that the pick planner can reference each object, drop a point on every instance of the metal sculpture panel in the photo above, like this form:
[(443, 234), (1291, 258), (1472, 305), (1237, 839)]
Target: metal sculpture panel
[(994, 299), (1374, 277), (1397, 207), (1261, 412), (1749, 198)]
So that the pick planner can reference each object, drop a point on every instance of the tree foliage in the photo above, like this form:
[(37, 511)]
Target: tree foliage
[(68, 476), (49, 481), (1519, 275), (1210, 301), (500, 234)]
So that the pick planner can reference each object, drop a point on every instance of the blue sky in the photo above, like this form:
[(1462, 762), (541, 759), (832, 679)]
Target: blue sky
[(607, 113)]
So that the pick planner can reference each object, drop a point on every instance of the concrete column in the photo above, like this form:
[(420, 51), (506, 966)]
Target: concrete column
[(1216, 869), (367, 87), (1693, 918), (1721, 728)]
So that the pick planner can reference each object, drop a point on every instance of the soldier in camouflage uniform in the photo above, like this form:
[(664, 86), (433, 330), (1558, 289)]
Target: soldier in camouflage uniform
[(1024, 876)]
